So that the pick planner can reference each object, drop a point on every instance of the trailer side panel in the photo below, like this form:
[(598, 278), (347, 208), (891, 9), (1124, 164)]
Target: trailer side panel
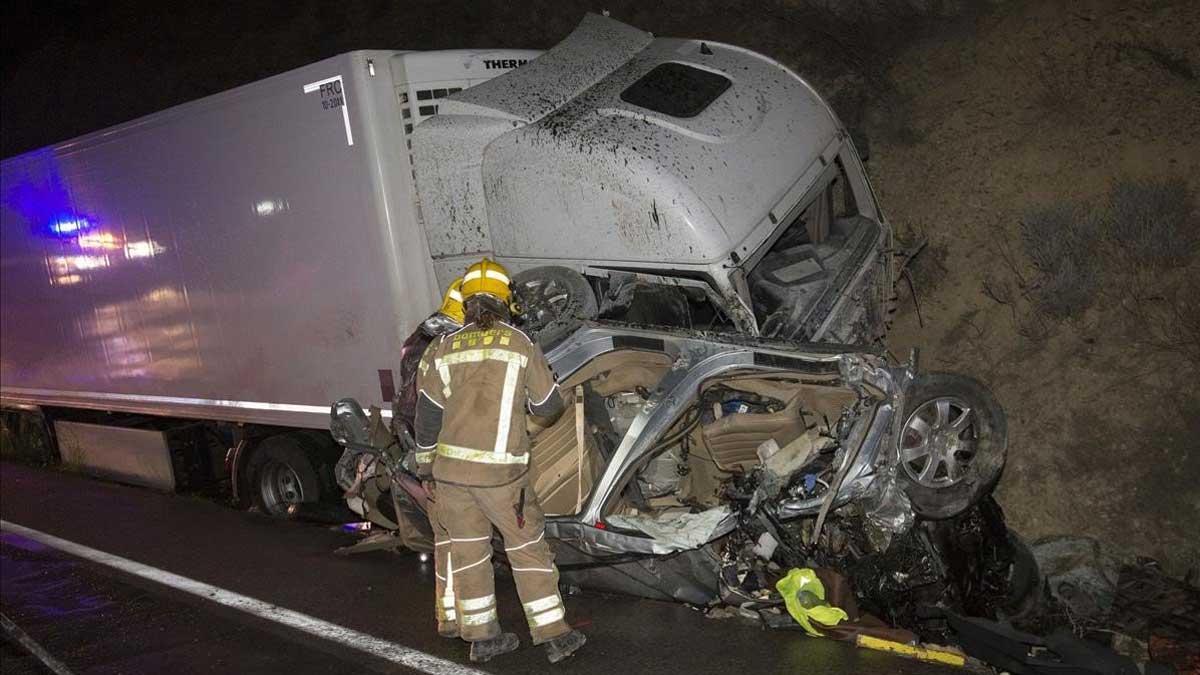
[(233, 258)]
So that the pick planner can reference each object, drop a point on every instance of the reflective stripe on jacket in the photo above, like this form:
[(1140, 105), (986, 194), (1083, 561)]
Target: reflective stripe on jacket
[(482, 383)]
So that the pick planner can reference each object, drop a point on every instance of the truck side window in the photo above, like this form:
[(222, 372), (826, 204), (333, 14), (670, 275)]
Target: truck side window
[(842, 195), (836, 203), (816, 216), (808, 258)]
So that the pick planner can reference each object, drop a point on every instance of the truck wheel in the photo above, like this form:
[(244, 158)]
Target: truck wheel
[(27, 436), (553, 302), (952, 446), (281, 473)]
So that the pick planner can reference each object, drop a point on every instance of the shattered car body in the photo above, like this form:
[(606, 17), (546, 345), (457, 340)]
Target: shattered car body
[(679, 183), (664, 181), (682, 453)]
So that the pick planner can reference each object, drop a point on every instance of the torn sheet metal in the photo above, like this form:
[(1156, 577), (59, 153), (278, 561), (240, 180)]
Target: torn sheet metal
[(887, 508), (680, 532)]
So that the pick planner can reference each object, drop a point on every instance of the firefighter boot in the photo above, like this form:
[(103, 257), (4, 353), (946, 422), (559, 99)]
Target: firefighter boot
[(485, 650), (563, 646)]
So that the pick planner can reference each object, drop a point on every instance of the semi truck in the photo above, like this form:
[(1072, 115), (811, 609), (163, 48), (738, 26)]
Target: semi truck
[(185, 294)]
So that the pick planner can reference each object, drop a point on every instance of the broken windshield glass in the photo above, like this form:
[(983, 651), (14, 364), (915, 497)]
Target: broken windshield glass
[(797, 282)]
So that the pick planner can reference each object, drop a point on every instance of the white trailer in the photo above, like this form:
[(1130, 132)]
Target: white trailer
[(247, 258), (244, 258)]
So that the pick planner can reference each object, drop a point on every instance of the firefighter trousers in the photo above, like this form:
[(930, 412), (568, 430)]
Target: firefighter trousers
[(469, 514), (447, 619)]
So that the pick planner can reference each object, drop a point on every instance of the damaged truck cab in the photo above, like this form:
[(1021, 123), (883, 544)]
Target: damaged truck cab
[(658, 181)]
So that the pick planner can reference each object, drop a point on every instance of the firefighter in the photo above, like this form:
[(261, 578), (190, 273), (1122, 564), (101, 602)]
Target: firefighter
[(448, 318), (475, 386)]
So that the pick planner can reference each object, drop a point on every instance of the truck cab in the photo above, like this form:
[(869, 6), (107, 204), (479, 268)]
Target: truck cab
[(663, 181), (235, 263)]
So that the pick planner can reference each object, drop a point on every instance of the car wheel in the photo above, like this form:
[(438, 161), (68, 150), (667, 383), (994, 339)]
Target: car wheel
[(281, 474), (952, 446), (553, 301)]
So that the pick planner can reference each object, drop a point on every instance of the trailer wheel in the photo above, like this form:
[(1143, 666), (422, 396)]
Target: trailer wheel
[(281, 473), (553, 302), (28, 435)]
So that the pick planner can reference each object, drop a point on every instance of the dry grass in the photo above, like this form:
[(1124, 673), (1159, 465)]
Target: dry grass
[(1153, 223), (1055, 277), (1133, 252), (1164, 315), (1061, 243)]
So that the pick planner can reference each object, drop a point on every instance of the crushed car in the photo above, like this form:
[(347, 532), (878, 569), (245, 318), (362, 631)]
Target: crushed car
[(695, 466)]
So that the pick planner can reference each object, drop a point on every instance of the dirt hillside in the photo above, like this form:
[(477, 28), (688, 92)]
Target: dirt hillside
[(1046, 105)]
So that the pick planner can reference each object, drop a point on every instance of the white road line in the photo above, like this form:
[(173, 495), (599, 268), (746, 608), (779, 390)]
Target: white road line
[(47, 659), (396, 653)]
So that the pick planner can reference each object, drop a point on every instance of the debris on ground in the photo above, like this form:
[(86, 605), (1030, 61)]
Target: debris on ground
[(721, 612), (930, 653), (1078, 574), (1062, 604), (1008, 649), (804, 596)]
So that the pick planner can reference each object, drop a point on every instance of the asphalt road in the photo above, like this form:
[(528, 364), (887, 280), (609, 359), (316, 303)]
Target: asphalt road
[(97, 619)]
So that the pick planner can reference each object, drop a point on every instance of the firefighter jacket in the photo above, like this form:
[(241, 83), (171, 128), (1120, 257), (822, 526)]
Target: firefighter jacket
[(404, 403), (475, 387)]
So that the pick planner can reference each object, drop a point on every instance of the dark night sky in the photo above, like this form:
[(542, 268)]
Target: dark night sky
[(71, 67)]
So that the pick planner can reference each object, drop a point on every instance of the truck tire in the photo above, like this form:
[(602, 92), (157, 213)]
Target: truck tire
[(28, 436), (281, 472), (553, 302), (953, 444)]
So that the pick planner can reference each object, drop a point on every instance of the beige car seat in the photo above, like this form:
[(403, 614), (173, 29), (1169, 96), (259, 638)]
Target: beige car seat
[(562, 469), (733, 439)]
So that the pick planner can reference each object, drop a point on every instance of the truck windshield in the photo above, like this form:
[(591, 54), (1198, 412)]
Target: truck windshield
[(639, 301)]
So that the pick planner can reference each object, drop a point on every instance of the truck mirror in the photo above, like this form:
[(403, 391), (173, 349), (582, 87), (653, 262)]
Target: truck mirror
[(348, 423)]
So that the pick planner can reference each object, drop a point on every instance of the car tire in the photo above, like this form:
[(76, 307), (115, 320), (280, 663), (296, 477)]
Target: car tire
[(954, 423), (281, 473), (553, 301)]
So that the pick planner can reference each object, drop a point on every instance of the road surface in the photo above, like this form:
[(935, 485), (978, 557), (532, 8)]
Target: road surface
[(116, 579)]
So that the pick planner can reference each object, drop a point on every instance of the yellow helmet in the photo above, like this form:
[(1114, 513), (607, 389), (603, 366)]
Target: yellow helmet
[(488, 277), (452, 302)]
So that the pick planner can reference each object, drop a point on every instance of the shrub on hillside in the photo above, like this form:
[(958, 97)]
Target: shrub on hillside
[(1153, 223), (1061, 244)]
